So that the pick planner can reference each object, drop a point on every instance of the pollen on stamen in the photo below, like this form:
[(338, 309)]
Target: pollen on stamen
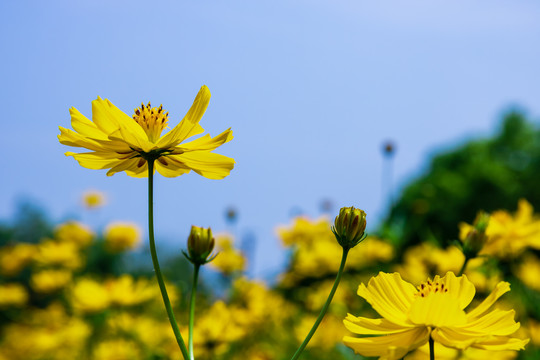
[(152, 120), (431, 287)]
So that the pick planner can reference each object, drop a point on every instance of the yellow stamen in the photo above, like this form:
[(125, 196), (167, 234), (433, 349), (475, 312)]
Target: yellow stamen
[(152, 120), (431, 287)]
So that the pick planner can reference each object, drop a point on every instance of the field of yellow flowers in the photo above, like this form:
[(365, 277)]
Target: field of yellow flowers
[(71, 295)]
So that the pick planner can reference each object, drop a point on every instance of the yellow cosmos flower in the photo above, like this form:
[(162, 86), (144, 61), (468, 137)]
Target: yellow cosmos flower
[(89, 296), (216, 330), (117, 349), (122, 236), (534, 331), (13, 294), (74, 232), (51, 253), (509, 235), (147, 331), (229, 259), (93, 199), (127, 291), (14, 258), (48, 281), (119, 142), (527, 271), (327, 336), (434, 309)]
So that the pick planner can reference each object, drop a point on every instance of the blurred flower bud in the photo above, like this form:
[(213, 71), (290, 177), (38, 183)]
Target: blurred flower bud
[(231, 215), (388, 148), (200, 244), (482, 221), (476, 238), (349, 227)]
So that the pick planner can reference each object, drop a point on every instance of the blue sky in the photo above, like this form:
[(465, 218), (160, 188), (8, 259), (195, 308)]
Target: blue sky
[(311, 89)]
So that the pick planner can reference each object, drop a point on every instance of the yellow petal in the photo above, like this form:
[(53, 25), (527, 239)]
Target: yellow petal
[(189, 126), (96, 160), (207, 143), (459, 340), (366, 326), (130, 164), (102, 117), (525, 211), (171, 168), (390, 296), (117, 145), (179, 133), (459, 288), (197, 110), (497, 343), (453, 339), (134, 142), (500, 289), (436, 310), (85, 127), (71, 138), (109, 119), (441, 352), (207, 164), (496, 322), (139, 172), (392, 347)]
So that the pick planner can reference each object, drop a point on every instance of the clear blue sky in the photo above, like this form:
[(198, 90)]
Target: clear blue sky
[(311, 89)]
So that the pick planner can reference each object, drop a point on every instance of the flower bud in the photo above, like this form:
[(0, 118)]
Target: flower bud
[(349, 227), (200, 244), (476, 238)]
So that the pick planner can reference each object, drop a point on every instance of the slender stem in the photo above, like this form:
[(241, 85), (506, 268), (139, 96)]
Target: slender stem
[(155, 261), (431, 348), (325, 307), (463, 266), (192, 310)]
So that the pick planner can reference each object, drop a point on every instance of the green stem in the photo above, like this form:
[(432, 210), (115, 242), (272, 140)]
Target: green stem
[(463, 266), (155, 261), (325, 307), (431, 348), (192, 310)]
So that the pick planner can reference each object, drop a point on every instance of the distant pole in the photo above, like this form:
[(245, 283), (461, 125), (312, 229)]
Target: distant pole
[(388, 150), (231, 218), (249, 248), (326, 206)]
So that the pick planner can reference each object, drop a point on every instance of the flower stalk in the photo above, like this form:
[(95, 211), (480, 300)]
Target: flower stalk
[(325, 307), (474, 240), (192, 309), (431, 348), (464, 266), (155, 261)]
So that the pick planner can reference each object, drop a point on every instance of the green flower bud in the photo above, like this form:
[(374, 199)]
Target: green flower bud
[(476, 238), (349, 227), (200, 244), (482, 221)]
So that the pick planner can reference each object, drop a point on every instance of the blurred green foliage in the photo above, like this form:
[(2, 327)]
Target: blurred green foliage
[(487, 174)]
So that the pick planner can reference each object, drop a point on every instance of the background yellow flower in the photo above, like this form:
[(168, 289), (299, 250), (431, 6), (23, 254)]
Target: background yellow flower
[(122, 236)]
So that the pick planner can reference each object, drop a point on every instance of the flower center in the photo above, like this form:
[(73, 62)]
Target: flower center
[(152, 119), (431, 287), (435, 308)]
